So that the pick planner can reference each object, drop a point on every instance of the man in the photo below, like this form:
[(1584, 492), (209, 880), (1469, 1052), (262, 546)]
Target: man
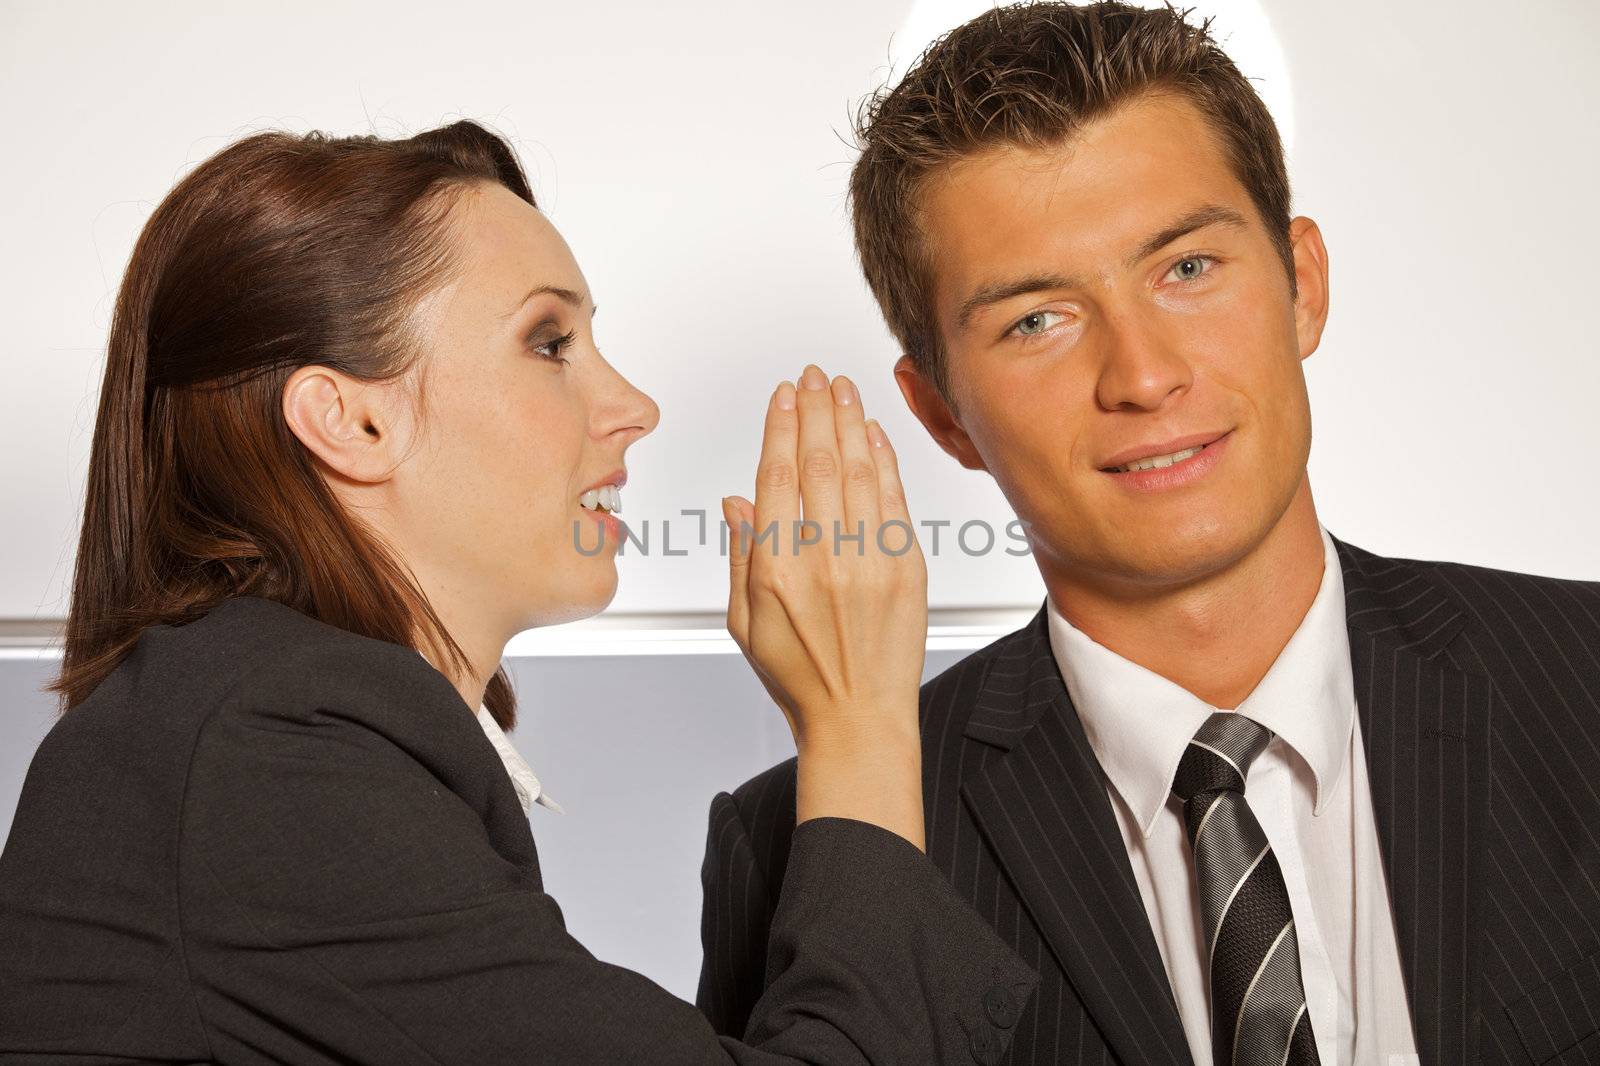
[(1240, 792)]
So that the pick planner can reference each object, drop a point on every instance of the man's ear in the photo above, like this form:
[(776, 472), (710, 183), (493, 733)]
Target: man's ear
[(1311, 283), (935, 415), (345, 423)]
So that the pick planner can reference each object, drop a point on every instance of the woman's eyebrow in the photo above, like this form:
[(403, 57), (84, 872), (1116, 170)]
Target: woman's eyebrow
[(565, 295)]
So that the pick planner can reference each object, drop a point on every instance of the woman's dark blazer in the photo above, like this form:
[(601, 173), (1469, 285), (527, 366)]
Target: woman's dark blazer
[(264, 839)]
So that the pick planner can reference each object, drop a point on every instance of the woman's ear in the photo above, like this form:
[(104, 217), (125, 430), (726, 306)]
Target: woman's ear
[(347, 424), (935, 415)]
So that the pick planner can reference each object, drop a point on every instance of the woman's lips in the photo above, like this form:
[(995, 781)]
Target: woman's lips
[(1184, 472), (610, 523)]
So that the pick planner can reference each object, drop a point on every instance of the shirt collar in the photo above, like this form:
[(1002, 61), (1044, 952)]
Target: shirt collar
[(527, 786), (1139, 723)]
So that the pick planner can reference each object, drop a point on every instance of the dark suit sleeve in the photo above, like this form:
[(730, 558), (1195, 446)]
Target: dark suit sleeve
[(339, 902), (735, 921)]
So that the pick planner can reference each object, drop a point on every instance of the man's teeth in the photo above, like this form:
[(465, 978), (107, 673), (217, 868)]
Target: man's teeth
[(1157, 461), (605, 498)]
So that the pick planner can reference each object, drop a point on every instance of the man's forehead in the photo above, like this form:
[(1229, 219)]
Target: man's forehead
[(1093, 198), (1154, 149)]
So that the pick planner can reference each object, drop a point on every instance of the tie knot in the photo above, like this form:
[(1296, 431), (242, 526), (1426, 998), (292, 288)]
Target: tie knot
[(1220, 755)]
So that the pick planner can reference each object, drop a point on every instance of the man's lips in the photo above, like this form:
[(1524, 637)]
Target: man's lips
[(1161, 448), (1198, 462)]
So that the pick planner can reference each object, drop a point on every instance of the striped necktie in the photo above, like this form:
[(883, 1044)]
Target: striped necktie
[(1258, 1005)]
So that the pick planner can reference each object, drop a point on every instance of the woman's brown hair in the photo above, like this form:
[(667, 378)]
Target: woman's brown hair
[(279, 251)]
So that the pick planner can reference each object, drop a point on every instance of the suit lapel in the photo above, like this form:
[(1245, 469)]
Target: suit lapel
[(1425, 727), (1043, 806), (1044, 809)]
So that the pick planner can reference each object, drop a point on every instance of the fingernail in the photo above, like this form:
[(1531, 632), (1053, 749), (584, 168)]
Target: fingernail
[(875, 433), (813, 377), (844, 391), (786, 395)]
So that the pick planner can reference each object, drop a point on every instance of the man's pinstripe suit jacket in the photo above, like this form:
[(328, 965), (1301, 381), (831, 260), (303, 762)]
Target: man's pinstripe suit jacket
[(1479, 697)]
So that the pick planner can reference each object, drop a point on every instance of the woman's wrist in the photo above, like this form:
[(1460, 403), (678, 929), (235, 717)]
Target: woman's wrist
[(838, 729), (870, 771)]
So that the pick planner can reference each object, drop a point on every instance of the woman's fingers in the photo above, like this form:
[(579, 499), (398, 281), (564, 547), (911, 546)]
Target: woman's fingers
[(837, 641), (820, 491), (859, 471), (891, 495), (777, 505), (739, 513)]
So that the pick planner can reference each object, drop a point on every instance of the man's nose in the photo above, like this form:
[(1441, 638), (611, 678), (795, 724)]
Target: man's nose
[(1142, 366)]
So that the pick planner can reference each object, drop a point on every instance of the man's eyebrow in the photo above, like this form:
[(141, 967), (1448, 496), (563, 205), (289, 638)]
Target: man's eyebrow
[(1199, 218), (998, 292), (576, 299), (1001, 291)]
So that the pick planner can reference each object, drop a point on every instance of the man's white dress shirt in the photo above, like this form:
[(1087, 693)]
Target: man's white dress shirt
[(1308, 790)]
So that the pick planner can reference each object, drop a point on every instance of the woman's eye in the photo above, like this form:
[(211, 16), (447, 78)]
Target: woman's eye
[(552, 348), (1037, 322), (1188, 269)]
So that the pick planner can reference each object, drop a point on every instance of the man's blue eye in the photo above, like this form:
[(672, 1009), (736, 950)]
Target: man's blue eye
[(1037, 322), (1190, 275)]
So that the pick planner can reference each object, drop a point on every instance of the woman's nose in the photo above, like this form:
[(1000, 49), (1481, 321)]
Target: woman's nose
[(627, 409), (647, 413)]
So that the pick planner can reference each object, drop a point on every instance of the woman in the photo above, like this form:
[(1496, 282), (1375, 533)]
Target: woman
[(349, 438)]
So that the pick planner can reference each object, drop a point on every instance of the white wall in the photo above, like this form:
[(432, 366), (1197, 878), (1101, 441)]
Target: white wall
[(692, 156), (1449, 153)]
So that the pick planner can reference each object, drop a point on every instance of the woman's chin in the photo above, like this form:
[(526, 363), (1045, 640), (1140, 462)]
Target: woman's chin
[(571, 604)]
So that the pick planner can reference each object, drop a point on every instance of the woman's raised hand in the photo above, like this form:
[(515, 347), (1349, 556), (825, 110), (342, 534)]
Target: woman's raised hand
[(828, 601)]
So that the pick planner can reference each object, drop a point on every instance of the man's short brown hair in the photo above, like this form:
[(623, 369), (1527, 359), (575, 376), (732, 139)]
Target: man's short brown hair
[(1030, 75)]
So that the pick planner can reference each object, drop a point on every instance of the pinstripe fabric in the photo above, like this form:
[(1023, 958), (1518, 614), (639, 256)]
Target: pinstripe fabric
[(1479, 697)]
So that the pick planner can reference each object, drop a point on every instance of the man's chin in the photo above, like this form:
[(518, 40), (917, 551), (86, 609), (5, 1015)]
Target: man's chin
[(1153, 553)]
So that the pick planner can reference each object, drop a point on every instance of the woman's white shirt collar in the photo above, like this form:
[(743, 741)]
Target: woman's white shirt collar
[(523, 780)]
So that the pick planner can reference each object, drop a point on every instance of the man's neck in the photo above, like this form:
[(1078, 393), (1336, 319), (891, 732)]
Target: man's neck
[(1216, 637)]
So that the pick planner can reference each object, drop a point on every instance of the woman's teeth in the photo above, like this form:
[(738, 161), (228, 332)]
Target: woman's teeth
[(606, 498), (1157, 461)]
